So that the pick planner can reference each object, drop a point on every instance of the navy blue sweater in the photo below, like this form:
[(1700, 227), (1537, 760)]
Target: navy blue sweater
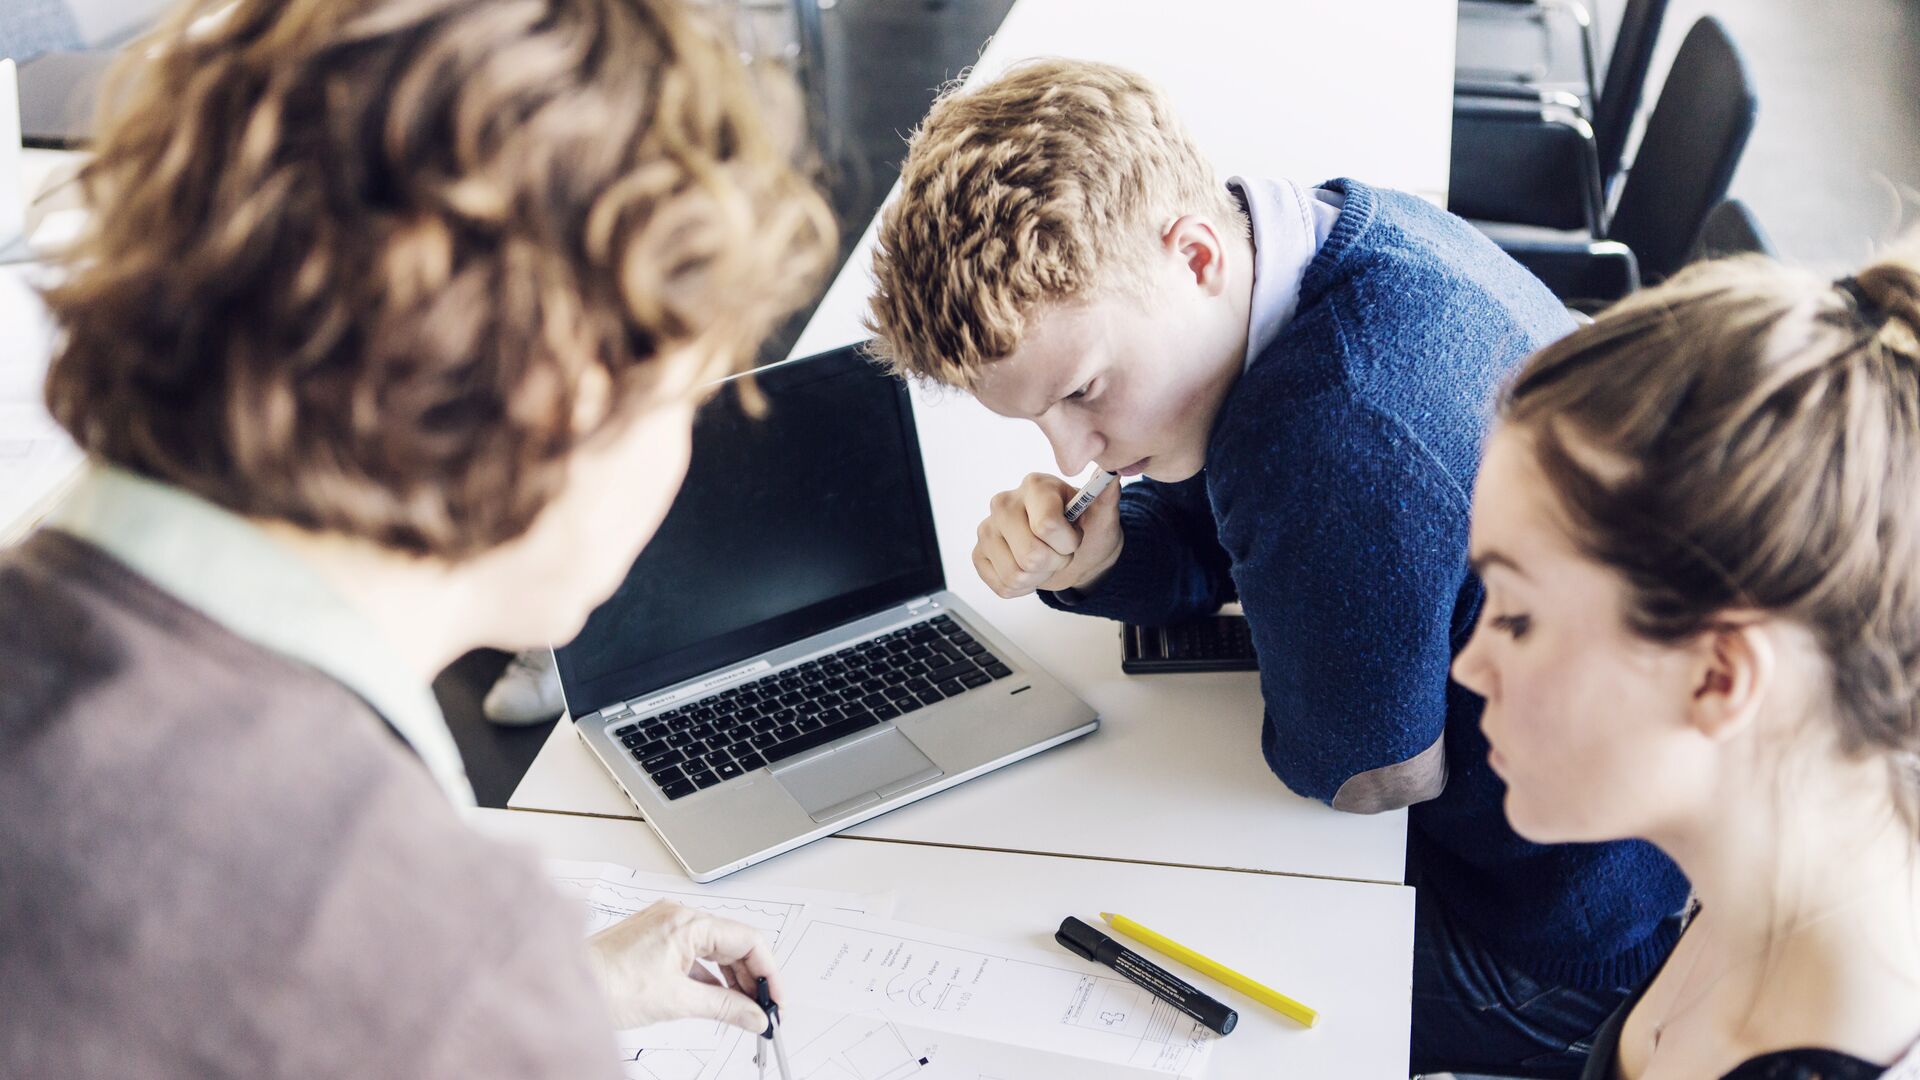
[(1335, 507)]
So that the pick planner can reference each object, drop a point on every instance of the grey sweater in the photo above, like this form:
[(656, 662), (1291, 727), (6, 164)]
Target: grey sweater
[(216, 862)]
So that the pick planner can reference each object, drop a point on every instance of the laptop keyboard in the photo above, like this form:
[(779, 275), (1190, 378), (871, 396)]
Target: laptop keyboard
[(795, 709)]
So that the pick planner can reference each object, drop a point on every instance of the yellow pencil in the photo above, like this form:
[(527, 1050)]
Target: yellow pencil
[(1265, 995)]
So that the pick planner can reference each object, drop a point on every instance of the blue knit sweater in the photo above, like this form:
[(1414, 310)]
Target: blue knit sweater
[(1335, 507)]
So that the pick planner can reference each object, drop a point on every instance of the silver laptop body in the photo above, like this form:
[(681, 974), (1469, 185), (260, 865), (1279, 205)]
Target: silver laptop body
[(784, 661)]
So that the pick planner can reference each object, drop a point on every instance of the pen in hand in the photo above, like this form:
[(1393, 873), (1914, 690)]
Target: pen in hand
[(1087, 494)]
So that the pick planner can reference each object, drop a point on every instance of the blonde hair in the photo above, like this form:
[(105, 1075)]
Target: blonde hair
[(351, 262), (1047, 185), (1768, 422)]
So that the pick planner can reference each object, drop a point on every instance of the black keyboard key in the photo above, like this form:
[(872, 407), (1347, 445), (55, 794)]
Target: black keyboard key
[(885, 712), (717, 758), (951, 687), (626, 731), (941, 620), (647, 750), (672, 774), (974, 679), (703, 779), (802, 743), (998, 670), (656, 730), (763, 724), (973, 648), (895, 693), (907, 704), (951, 671), (763, 739), (678, 738), (663, 759), (750, 759), (874, 700), (633, 740), (696, 748), (727, 771), (811, 723), (678, 789), (961, 638)]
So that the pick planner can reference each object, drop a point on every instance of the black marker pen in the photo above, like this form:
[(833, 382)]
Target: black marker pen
[(1090, 944)]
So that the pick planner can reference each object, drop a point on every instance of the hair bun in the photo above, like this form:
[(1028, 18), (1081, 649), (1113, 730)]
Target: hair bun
[(1889, 289)]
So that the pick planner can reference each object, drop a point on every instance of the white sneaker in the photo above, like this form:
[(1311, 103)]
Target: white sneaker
[(528, 692)]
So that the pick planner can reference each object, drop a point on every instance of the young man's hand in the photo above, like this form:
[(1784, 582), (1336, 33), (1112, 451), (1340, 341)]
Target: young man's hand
[(1026, 543), (646, 965)]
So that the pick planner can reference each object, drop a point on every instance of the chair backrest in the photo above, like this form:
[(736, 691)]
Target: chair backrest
[(1731, 229), (1686, 159), (1620, 94)]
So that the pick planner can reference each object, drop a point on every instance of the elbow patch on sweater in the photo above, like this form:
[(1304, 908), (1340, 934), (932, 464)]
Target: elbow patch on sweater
[(1392, 787)]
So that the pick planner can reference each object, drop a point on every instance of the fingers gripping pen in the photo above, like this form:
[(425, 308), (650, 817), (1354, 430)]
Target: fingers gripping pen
[(1086, 495)]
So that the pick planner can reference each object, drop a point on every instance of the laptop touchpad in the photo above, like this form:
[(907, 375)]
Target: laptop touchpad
[(857, 775)]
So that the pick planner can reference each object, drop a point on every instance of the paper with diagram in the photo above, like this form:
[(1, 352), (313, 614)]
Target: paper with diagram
[(609, 892), (823, 1044), (1019, 995)]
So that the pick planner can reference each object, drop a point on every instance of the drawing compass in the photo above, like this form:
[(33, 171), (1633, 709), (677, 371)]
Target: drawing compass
[(770, 1044)]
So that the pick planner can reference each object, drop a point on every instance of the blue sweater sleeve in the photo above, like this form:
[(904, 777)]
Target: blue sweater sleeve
[(1348, 542), (1171, 564)]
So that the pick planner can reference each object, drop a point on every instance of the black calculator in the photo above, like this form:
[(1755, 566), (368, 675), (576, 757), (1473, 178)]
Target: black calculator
[(1215, 643)]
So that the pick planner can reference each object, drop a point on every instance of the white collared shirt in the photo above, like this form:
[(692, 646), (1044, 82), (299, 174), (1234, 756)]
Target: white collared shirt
[(1289, 225)]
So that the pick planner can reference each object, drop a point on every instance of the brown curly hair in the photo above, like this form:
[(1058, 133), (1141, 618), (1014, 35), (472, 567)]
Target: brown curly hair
[(351, 260), (1047, 185)]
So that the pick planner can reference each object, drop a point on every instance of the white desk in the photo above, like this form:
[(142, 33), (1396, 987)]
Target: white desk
[(1343, 948), (1175, 774), (37, 460)]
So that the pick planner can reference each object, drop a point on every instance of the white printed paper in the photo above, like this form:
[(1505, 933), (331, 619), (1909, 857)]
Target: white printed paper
[(679, 1050), (827, 1045), (918, 977)]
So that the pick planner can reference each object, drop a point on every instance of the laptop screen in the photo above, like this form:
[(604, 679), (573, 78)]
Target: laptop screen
[(788, 525)]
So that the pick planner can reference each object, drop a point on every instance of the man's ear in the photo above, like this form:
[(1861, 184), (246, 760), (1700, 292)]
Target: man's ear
[(1196, 243), (1736, 667)]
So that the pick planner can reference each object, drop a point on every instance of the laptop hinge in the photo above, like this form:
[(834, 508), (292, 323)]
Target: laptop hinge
[(919, 602)]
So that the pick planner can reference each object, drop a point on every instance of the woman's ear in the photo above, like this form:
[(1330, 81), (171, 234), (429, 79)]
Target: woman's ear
[(1737, 666)]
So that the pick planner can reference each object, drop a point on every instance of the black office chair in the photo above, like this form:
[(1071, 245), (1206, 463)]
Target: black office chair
[(1685, 163), (1517, 150), (1691, 148), (1522, 44), (1731, 229)]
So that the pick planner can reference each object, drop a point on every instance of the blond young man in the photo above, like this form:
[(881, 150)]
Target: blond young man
[(1303, 377), (383, 301)]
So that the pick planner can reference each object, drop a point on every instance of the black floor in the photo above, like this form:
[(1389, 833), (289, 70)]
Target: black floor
[(1833, 169)]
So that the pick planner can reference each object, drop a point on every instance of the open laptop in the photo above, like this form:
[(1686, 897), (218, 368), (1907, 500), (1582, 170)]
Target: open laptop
[(784, 660)]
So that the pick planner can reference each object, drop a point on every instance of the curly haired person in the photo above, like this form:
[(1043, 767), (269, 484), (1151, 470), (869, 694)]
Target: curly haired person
[(380, 299)]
